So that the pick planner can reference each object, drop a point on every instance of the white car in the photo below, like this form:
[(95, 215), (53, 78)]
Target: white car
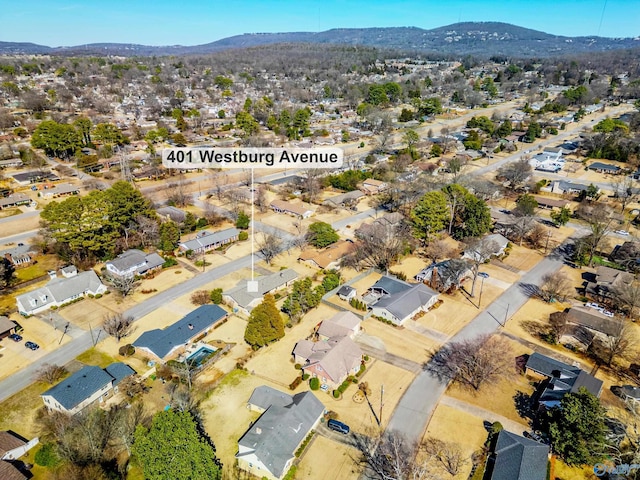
[(593, 305), (622, 232), (607, 313)]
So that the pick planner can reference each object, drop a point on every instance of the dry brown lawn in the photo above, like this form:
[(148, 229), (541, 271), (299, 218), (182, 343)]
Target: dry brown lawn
[(451, 424), (18, 412), (325, 459), (400, 341), (522, 258), (20, 225)]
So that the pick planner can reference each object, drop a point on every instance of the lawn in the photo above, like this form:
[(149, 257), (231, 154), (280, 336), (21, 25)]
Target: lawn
[(39, 268), (18, 412), (95, 357)]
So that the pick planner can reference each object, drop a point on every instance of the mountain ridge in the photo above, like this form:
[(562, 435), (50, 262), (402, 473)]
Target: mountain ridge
[(465, 38)]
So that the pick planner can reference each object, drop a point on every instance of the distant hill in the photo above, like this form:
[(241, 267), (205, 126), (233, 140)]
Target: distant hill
[(468, 38)]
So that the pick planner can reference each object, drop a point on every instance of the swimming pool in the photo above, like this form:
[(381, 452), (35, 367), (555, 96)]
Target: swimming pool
[(200, 356)]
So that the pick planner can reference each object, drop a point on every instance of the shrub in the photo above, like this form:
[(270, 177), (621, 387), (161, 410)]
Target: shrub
[(314, 383), (200, 297), (336, 394), (400, 275), (295, 383), (127, 350), (291, 474), (297, 366), (304, 443), (216, 296), (305, 376), (99, 295), (169, 262), (47, 456), (243, 236)]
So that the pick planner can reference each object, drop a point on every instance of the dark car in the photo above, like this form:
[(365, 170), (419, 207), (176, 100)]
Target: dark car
[(32, 346), (15, 337), (338, 426)]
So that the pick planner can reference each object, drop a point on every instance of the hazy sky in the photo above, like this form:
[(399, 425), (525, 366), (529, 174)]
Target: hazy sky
[(191, 22)]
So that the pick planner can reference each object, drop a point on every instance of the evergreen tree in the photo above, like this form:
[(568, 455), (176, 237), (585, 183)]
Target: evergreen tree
[(321, 234), (169, 236), (243, 221), (265, 324), (430, 215)]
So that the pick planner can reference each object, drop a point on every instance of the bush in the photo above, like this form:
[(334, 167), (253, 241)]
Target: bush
[(169, 262), (304, 444), (297, 366), (336, 394), (293, 385), (47, 456), (314, 383), (291, 474), (201, 297), (305, 376), (216, 296), (127, 350), (99, 295), (243, 236)]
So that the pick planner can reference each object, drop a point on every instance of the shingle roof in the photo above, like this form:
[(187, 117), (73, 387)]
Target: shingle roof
[(341, 324), (265, 396), (294, 208), (404, 303), (329, 255), (8, 441), (604, 166), (162, 342), (594, 320), (337, 357), (209, 239), (266, 284), (9, 472), (391, 285), (79, 386), (133, 257), (61, 289), (519, 458), (274, 437), (6, 324), (119, 371)]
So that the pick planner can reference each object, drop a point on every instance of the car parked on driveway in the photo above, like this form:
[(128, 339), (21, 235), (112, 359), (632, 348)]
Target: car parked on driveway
[(337, 426), (15, 337), (32, 346)]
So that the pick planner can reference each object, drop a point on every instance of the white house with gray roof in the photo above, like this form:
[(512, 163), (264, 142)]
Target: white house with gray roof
[(267, 449), (240, 299), (134, 262), (401, 306), (60, 291), (206, 240), (86, 386)]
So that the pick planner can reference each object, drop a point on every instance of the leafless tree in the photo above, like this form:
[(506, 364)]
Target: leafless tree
[(148, 230), (50, 373), (557, 323), (200, 297), (537, 235), (624, 190), (598, 217), (622, 344), (269, 246), (301, 238), (438, 249), (391, 457), (448, 455), (478, 250), (118, 325), (472, 363), (124, 285), (212, 216), (629, 294), (260, 199), (555, 286), (177, 193), (515, 173), (131, 386), (311, 184), (380, 246)]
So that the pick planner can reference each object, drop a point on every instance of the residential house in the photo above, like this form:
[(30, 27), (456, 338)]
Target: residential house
[(627, 255), (173, 340), (564, 187), (492, 245), (386, 223), (67, 271), (517, 458), (346, 293), (547, 162), (10, 162), (86, 386), (401, 306), (206, 241), (12, 447), (604, 168), (60, 190), (7, 327), (607, 281), (630, 394), (342, 324), (550, 203), (560, 379), (344, 200), (267, 449), (19, 256), (446, 275), (331, 361), (585, 324), (371, 186), (241, 299), (295, 209), (35, 176), (59, 291), (328, 258), (172, 213), (14, 200), (134, 262)]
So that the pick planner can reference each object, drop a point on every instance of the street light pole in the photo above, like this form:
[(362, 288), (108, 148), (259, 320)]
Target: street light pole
[(480, 297)]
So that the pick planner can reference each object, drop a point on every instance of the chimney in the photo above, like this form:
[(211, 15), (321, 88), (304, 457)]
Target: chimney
[(190, 326), (434, 278)]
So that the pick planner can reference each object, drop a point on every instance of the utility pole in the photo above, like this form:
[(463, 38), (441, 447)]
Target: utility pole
[(546, 246), (381, 404), (506, 315)]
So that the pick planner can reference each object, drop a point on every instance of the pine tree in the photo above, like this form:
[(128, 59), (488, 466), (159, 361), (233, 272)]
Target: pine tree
[(265, 324)]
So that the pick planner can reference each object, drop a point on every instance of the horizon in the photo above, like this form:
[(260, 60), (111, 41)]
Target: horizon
[(195, 22)]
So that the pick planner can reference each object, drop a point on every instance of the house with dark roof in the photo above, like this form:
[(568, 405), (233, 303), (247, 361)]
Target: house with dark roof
[(59, 291), (583, 325), (627, 255), (401, 306), (242, 300), (34, 176), (134, 262), (517, 458), (607, 281), (604, 168), (446, 275), (172, 213), (88, 385), (348, 199), (7, 327), (267, 448), (19, 256), (12, 447), (560, 379), (14, 200), (206, 241), (169, 342), (564, 187), (347, 292)]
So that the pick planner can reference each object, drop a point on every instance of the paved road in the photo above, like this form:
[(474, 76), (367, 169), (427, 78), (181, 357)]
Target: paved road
[(18, 238), (20, 216), (413, 412), (84, 341)]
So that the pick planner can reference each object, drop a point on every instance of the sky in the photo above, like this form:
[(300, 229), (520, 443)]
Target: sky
[(193, 22)]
